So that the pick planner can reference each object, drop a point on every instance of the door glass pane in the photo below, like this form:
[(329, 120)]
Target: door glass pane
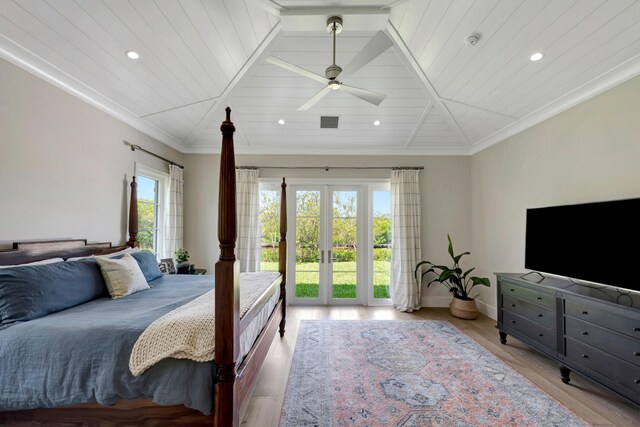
[(381, 243), (307, 244), (344, 250), (270, 229)]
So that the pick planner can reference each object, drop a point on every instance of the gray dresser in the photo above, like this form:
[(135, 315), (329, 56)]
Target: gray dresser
[(590, 329)]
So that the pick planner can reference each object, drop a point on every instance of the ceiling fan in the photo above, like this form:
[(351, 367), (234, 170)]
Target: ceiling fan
[(376, 46)]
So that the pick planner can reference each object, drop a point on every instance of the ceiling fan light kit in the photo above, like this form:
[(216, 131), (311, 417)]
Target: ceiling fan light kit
[(374, 48)]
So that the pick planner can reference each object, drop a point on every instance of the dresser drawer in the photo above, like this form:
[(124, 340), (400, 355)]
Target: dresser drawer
[(533, 312), (529, 295), (617, 370), (533, 330), (598, 315), (604, 339)]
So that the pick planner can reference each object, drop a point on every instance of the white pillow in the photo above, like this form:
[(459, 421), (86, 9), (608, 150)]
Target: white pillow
[(111, 255), (42, 262), (123, 276)]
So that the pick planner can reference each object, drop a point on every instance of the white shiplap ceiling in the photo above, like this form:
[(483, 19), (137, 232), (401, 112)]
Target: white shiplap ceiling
[(443, 97)]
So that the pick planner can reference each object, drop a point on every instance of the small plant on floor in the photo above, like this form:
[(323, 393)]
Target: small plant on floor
[(459, 284)]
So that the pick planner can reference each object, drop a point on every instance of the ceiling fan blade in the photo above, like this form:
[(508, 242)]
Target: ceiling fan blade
[(317, 97), (366, 95), (295, 69), (376, 46)]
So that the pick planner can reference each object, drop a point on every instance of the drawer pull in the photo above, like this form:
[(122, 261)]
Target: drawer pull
[(512, 290), (585, 333), (585, 312), (636, 329), (513, 321), (585, 356), (637, 381), (539, 298), (636, 353), (513, 305), (539, 315), (540, 335)]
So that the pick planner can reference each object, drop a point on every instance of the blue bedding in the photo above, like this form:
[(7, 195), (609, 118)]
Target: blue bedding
[(82, 354)]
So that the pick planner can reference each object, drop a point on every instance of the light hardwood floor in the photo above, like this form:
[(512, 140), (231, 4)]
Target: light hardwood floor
[(593, 403)]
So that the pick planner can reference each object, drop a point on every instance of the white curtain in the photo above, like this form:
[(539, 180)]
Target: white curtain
[(248, 202), (173, 221), (405, 228)]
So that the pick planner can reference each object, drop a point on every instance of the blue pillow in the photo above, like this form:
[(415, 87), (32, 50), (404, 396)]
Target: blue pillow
[(148, 264), (27, 293)]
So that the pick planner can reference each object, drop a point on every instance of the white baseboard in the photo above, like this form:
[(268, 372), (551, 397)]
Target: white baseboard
[(487, 309), (443, 301), (435, 301)]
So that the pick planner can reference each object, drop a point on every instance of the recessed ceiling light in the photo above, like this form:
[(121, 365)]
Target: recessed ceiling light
[(281, 121), (132, 54), (376, 123), (536, 56)]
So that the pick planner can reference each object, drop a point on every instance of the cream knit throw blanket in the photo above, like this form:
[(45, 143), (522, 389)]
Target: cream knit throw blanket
[(188, 331)]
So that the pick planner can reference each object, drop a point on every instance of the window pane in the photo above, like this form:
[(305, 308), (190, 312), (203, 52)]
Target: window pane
[(148, 213), (145, 237), (381, 243), (147, 189)]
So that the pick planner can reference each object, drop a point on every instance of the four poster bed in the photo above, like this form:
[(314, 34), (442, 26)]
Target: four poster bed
[(227, 380)]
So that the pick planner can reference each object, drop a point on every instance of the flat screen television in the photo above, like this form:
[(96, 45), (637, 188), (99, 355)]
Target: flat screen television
[(596, 242)]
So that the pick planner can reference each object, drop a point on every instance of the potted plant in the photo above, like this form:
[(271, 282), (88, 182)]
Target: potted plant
[(182, 256), (458, 282)]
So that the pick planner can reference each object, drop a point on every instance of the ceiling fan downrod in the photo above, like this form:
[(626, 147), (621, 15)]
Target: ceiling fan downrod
[(334, 25)]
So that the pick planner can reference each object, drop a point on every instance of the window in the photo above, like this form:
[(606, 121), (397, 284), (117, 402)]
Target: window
[(381, 216), (151, 189), (269, 226)]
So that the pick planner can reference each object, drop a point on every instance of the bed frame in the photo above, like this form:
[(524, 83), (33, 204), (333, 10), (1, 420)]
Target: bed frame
[(233, 384)]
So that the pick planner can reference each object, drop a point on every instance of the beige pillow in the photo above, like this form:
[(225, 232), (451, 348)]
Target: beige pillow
[(123, 276)]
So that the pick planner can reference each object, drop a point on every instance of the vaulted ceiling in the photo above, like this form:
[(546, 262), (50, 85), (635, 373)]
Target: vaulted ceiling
[(443, 96)]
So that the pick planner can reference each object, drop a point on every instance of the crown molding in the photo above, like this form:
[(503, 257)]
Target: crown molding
[(596, 86), (39, 67), (431, 151)]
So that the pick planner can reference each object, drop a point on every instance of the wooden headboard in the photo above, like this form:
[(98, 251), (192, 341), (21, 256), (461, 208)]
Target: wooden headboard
[(23, 252)]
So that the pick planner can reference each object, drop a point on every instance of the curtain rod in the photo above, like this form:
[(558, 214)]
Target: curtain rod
[(135, 147), (327, 168)]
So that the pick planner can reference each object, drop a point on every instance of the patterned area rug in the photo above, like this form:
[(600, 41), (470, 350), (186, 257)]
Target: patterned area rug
[(407, 373)]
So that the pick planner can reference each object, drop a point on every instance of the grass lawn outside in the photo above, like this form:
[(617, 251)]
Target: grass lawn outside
[(344, 279)]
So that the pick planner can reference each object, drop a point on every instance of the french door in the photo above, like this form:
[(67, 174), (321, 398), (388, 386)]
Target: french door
[(327, 229)]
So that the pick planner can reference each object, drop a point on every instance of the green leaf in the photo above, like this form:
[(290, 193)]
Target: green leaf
[(445, 275), (450, 247), (464, 276), (481, 281), (456, 259)]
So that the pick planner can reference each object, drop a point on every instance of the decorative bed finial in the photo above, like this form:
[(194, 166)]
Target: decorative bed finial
[(227, 126)]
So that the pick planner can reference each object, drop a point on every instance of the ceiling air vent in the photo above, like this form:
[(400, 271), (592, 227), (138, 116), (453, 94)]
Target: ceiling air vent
[(329, 122)]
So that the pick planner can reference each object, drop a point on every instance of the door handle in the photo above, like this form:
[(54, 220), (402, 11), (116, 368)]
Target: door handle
[(329, 258), (321, 259)]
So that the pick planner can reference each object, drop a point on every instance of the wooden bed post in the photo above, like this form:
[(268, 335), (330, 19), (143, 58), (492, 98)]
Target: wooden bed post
[(227, 291), (133, 215), (282, 255)]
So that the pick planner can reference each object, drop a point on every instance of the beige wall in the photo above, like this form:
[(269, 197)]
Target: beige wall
[(445, 184), (63, 164), (588, 153)]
